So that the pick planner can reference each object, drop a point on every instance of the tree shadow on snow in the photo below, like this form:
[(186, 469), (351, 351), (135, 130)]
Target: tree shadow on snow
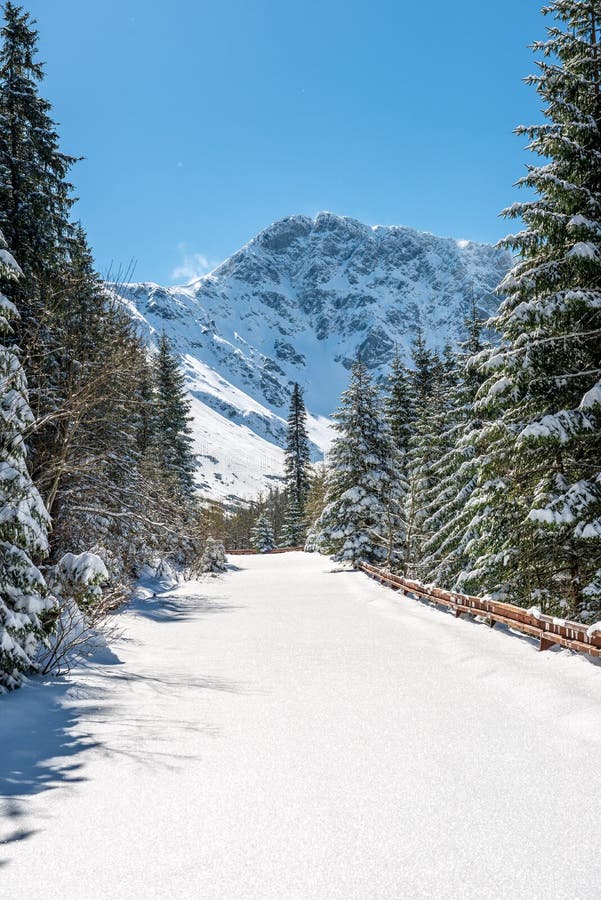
[(40, 750), (167, 684), (170, 608), (43, 742)]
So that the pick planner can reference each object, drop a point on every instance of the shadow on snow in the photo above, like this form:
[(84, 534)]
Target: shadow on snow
[(39, 750), (175, 609), (43, 735)]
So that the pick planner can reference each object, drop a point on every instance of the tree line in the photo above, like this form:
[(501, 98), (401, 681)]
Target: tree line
[(96, 465), (479, 469)]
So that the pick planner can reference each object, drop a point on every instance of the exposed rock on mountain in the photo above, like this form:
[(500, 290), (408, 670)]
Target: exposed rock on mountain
[(296, 304)]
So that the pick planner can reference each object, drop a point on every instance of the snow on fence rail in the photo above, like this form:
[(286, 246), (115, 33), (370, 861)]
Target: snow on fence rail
[(548, 629), (277, 550)]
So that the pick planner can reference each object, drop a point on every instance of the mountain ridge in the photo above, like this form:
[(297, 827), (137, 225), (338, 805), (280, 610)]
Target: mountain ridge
[(297, 303)]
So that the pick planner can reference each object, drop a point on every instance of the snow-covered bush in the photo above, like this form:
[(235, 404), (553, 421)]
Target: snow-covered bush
[(214, 558), (83, 608), (262, 538), (80, 577)]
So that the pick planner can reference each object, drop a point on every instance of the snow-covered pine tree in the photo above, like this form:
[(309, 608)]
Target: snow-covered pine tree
[(455, 471), (81, 354), (262, 537), (274, 506), (428, 396), (399, 407), (297, 467), (173, 433), (294, 530), (146, 418), (76, 351), (214, 559), (24, 521), (399, 404), (539, 503), (35, 200), (361, 477)]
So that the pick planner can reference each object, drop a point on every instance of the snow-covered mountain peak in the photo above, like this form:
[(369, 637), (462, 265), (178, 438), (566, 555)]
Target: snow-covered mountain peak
[(297, 303)]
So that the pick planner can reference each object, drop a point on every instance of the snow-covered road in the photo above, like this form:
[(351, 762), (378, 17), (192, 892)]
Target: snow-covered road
[(294, 731)]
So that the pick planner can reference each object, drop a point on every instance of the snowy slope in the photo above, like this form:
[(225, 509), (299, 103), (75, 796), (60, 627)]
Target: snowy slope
[(296, 304), (287, 732)]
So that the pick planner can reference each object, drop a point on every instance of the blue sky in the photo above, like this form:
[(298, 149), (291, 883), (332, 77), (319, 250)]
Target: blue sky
[(202, 122)]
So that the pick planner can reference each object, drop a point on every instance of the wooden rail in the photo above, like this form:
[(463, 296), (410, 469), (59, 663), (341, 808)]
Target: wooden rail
[(549, 630), (277, 550)]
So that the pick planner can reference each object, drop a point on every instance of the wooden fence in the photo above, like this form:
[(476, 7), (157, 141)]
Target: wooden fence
[(549, 630), (277, 550)]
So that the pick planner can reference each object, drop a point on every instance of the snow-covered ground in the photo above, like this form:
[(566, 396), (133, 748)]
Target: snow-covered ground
[(294, 731)]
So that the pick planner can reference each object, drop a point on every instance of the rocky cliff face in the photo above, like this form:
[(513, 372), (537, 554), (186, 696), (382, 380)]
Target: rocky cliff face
[(297, 303)]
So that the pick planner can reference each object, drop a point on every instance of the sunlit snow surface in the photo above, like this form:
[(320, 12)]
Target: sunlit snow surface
[(292, 732), (298, 303)]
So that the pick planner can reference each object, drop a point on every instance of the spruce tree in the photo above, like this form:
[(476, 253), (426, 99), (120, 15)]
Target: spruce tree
[(35, 197), (294, 530), (353, 526), (147, 419), (399, 406), (539, 501), (86, 368), (454, 472), (24, 521), (173, 433), (427, 386), (275, 506), (262, 537), (297, 468)]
